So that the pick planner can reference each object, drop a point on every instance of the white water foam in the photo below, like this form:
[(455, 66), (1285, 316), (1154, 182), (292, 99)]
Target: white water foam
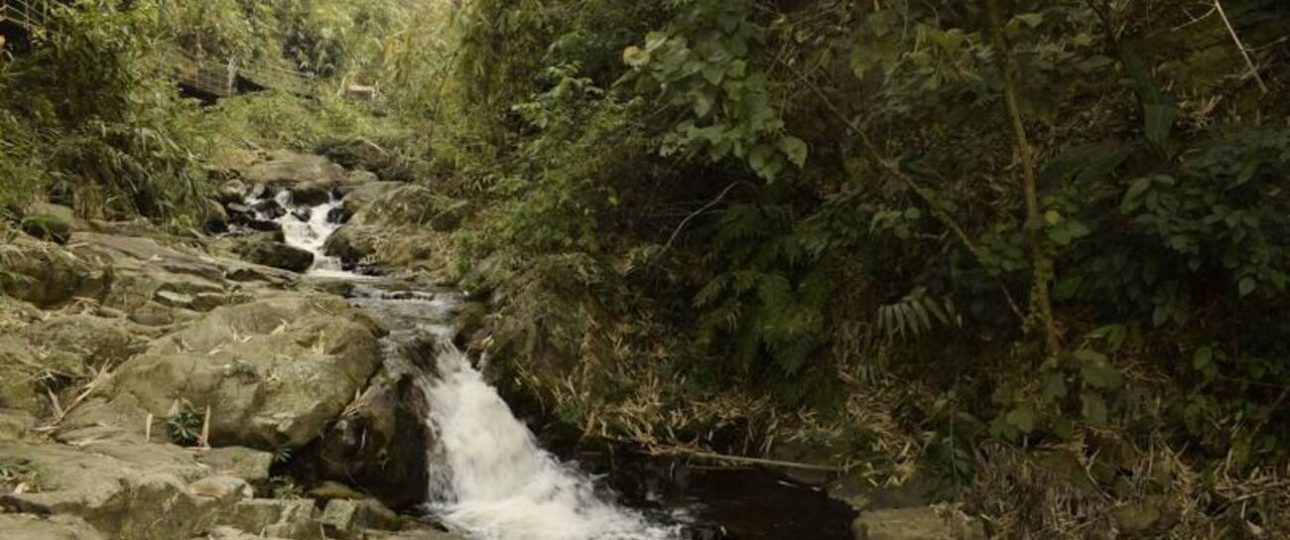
[(309, 234), (498, 484)]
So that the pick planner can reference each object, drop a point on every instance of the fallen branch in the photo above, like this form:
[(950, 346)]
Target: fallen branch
[(697, 454)]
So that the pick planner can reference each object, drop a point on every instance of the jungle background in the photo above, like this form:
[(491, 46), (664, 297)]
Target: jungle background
[(1028, 255)]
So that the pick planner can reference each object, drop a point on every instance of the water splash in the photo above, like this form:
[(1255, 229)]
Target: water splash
[(308, 228), (498, 484)]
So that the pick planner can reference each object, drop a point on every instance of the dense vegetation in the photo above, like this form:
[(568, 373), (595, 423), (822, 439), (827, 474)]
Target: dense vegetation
[(1030, 253)]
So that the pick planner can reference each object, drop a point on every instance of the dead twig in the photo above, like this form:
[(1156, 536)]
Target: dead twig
[(1245, 53)]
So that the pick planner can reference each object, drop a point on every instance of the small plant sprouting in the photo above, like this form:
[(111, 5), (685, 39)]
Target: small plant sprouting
[(184, 425)]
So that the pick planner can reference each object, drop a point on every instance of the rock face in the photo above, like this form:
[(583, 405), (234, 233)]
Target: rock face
[(378, 443), (273, 372)]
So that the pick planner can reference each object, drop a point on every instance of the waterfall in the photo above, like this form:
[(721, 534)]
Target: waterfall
[(489, 478), (499, 485)]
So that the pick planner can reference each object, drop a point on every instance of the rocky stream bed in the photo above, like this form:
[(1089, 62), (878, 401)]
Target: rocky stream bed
[(250, 384)]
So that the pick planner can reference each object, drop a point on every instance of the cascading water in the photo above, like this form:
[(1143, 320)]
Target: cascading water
[(500, 484), (490, 479), (304, 227)]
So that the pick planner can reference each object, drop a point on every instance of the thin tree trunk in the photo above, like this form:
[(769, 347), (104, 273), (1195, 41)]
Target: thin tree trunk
[(1041, 299)]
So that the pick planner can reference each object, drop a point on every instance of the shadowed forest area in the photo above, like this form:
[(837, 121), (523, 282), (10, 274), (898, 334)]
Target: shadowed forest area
[(1025, 262)]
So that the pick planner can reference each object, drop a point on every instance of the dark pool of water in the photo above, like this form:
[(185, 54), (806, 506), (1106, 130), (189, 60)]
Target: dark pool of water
[(723, 503)]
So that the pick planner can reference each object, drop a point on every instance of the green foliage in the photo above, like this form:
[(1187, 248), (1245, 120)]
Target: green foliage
[(184, 425)]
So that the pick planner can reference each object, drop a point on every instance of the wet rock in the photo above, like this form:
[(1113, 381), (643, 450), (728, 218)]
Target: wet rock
[(231, 192), (351, 244), (265, 226), (302, 214), (238, 462), (274, 371), (269, 209), (216, 219), (312, 194), (378, 445), (337, 215), (276, 255), (33, 527), (263, 191)]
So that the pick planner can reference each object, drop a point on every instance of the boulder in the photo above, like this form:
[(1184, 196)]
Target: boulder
[(288, 169), (378, 444), (274, 372), (313, 194), (269, 209), (352, 244), (276, 255), (33, 527)]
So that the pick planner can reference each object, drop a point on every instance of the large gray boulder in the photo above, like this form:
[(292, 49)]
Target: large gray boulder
[(378, 444), (273, 372)]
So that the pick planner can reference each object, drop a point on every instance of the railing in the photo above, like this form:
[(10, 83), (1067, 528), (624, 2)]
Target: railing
[(29, 14), (215, 77)]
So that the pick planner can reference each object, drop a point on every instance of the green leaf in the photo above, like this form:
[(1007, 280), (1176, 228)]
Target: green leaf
[(1022, 418), (1160, 122), (1093, 408), (795, 149), (1203, 358), (1101, 375), (1248, 285), (1031, 19), (635, 57), (1054, 387)]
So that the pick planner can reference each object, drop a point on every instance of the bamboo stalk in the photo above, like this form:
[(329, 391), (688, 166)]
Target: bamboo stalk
[(1245, 53)]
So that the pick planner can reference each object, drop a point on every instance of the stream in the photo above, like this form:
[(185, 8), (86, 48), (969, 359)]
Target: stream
[(489, 477)]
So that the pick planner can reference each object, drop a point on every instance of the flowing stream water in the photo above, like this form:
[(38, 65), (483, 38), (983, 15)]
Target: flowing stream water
[(490, 479)]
